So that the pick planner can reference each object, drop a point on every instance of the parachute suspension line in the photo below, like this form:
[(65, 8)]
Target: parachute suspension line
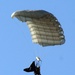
[(20, 26), (36, 52), (17, 25)]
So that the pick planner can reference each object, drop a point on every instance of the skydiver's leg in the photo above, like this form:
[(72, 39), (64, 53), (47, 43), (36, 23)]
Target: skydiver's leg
[(33, 64), (31, 68), (36, 74), (37, 71)]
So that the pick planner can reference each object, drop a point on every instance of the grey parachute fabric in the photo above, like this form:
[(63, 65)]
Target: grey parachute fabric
[(44, 26)]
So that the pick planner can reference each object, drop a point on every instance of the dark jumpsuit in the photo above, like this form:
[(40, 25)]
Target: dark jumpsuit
[(33, 68)]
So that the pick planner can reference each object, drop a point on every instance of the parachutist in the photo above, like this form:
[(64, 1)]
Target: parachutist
[(34, 67)]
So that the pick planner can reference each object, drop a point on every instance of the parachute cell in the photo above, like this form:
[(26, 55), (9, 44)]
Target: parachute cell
[(44, 26)]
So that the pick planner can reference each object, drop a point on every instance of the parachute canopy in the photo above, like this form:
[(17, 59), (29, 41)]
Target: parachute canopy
[(44, 26)]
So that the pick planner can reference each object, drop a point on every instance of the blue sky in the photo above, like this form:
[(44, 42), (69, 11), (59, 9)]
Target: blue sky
[(17, 50)]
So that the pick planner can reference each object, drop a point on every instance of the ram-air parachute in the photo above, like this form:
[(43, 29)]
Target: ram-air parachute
[(44, 26)]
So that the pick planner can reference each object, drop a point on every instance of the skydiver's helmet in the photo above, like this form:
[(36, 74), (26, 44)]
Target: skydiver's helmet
[(38, 62), (38, 59)]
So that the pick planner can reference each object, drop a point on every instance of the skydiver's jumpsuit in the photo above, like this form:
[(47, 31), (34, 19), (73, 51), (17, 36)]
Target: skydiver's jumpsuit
[(34, 67)]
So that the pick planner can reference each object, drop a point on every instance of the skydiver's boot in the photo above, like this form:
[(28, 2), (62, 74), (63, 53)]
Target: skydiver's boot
[(28, 69)]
